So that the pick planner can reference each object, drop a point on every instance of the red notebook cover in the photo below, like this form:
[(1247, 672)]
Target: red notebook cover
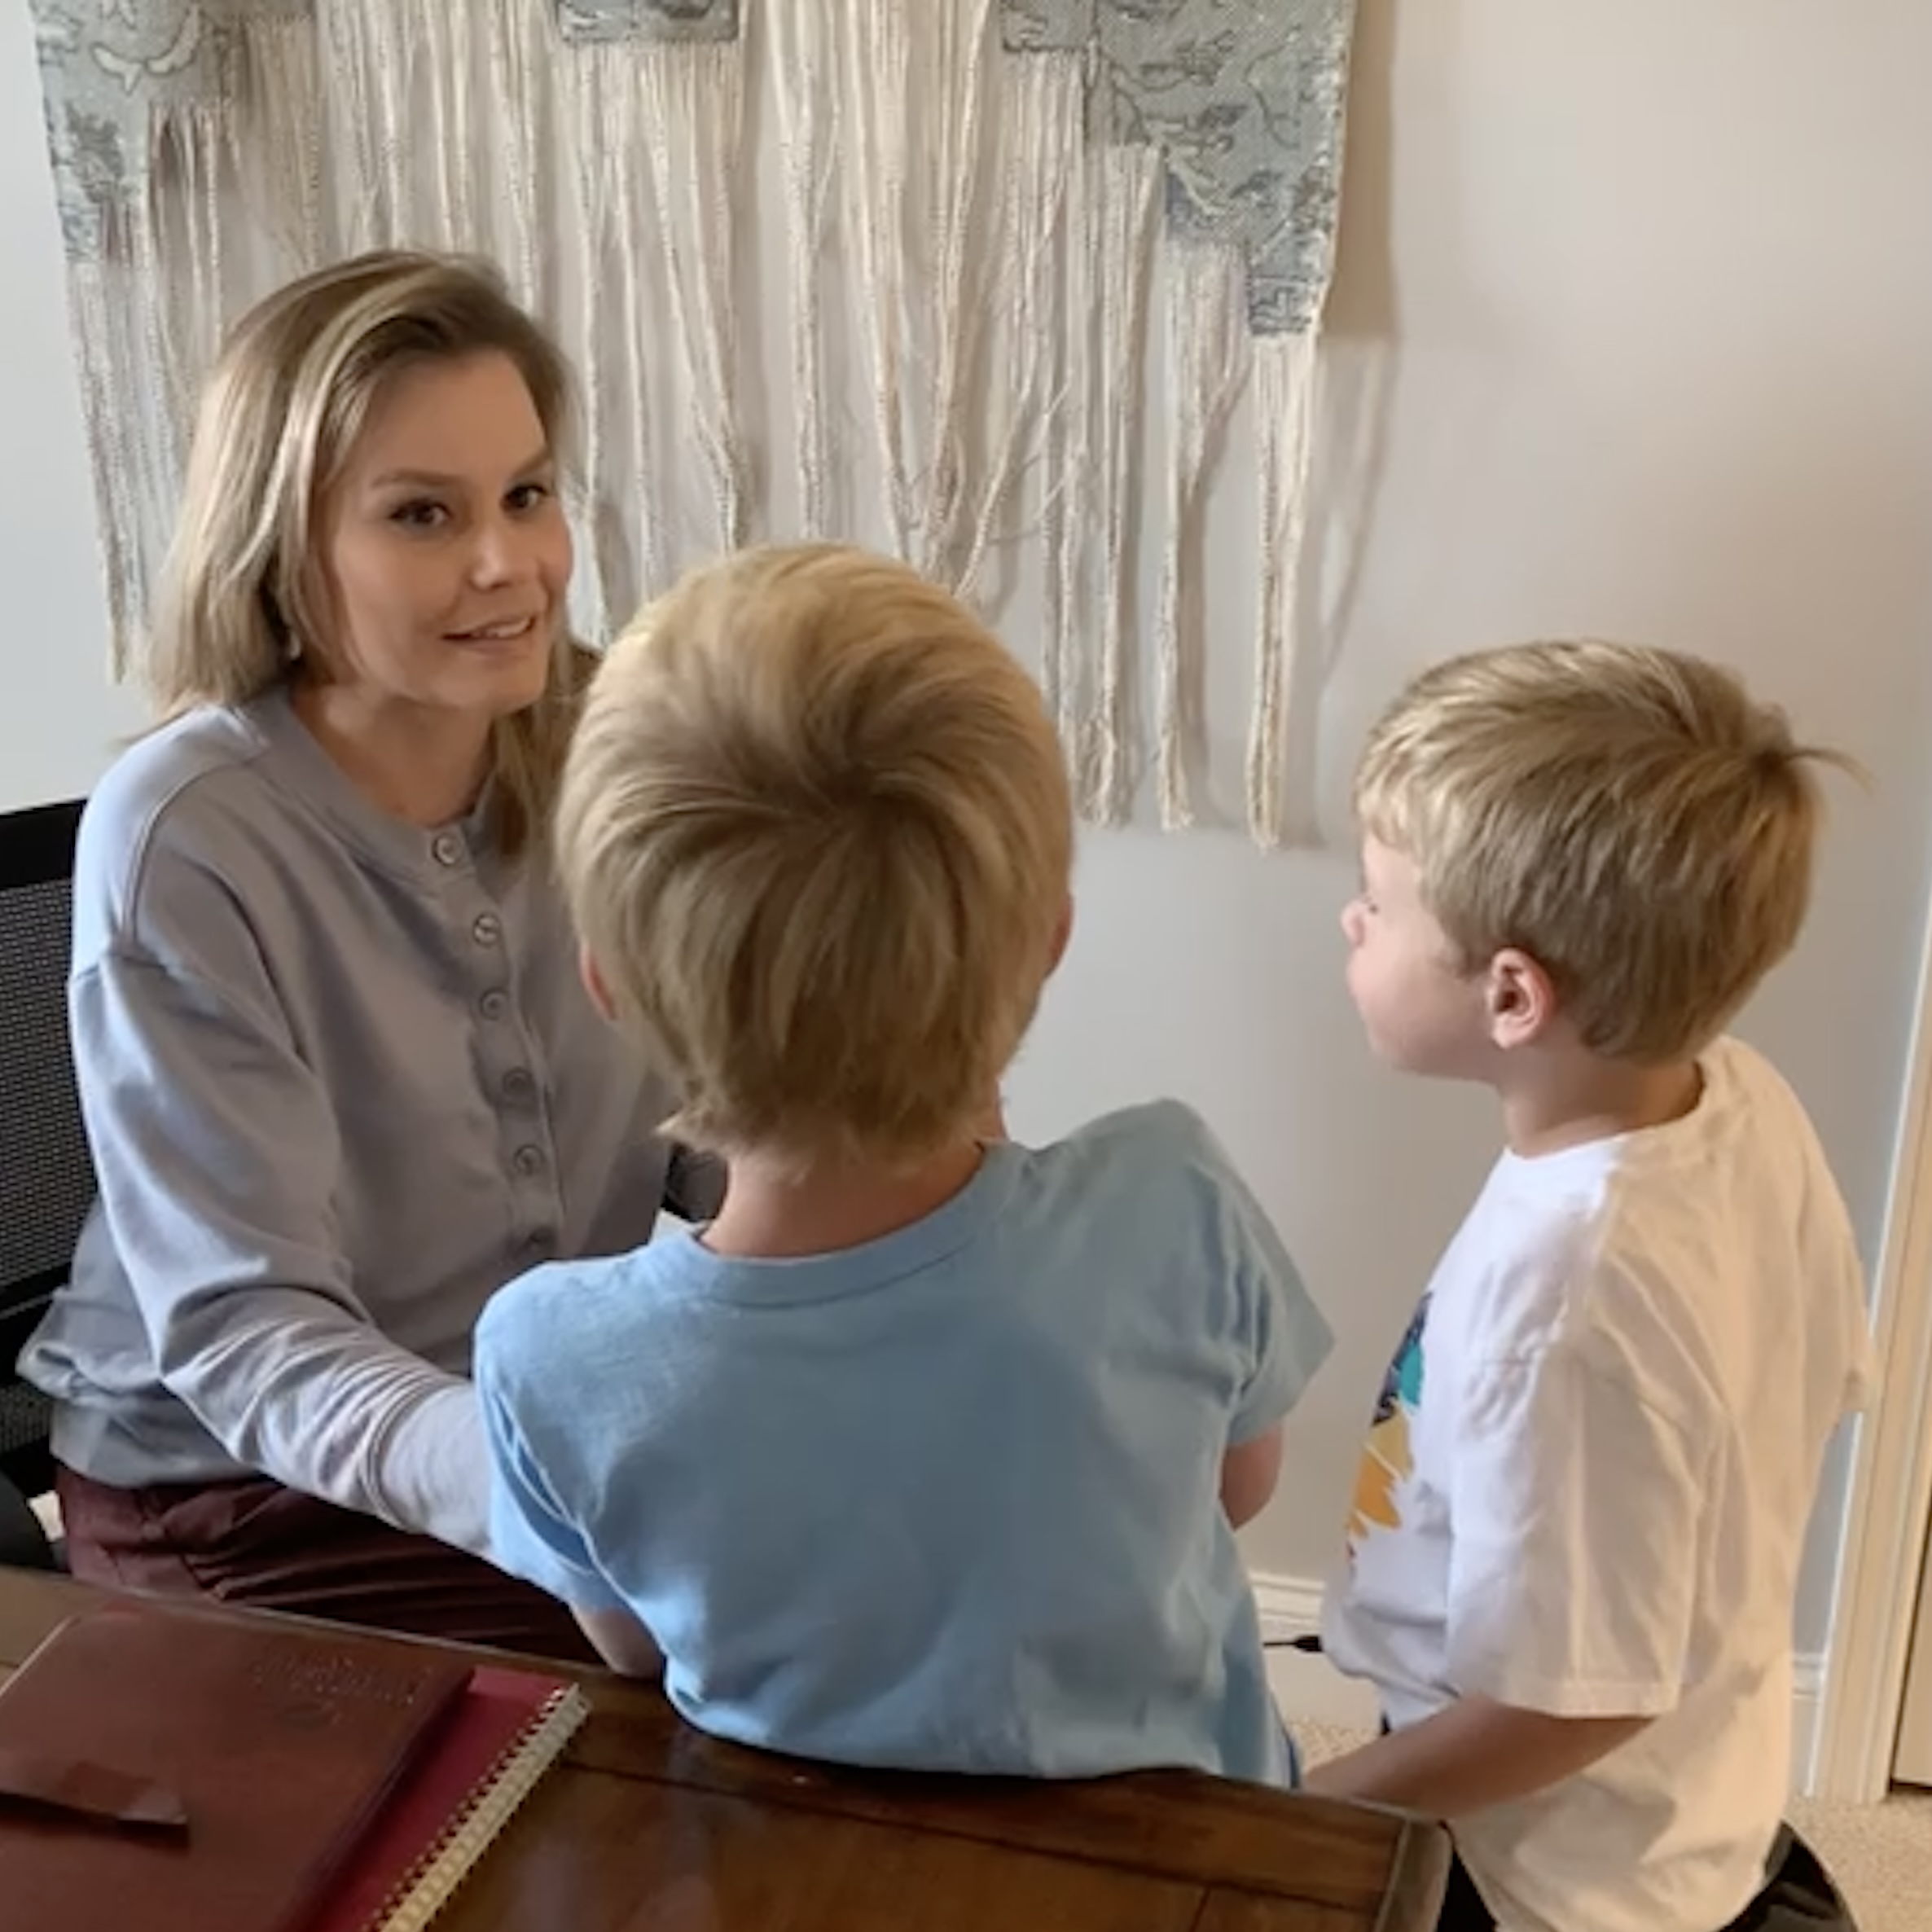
[(321, 1773)]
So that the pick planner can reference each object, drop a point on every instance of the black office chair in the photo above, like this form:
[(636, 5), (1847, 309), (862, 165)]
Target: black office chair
[(46, 1172)]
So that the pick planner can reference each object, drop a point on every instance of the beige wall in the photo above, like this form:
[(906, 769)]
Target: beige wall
[(1635, 320)]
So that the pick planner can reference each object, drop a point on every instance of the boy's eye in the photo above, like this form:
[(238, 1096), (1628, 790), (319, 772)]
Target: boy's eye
[(420, 516)]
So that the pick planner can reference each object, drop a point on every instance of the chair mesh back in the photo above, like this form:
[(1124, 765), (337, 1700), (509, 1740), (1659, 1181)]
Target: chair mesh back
[(47, 1173), (46, 1176)]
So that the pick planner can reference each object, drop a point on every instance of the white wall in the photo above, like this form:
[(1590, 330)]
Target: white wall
[(1644, 294), (59, 718), (1630, 336)]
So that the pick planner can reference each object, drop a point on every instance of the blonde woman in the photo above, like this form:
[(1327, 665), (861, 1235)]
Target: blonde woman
[(340, 1077)]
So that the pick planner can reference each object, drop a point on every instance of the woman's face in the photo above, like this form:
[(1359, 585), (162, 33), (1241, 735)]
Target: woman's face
[(445, 552)]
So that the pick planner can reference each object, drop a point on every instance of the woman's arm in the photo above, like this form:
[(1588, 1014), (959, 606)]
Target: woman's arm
[(220, 1169)]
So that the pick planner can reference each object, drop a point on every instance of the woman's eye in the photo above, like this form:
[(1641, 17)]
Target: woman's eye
[(527, 496), (420, 516)]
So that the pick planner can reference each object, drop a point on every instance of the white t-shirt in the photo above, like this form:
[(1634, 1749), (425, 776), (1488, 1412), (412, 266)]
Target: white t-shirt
[(1586, 1490)]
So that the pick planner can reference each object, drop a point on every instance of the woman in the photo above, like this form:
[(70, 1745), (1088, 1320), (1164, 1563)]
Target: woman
[(340, 1077)]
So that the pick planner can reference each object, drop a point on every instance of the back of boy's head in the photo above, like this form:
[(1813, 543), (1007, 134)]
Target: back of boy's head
[(816, 833), (1628, 817)]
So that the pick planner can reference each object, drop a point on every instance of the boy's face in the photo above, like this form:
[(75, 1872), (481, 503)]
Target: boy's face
[(1421, 1015)]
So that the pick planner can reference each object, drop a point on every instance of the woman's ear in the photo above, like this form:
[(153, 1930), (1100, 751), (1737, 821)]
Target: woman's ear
[(594, 984), (1519, 999)]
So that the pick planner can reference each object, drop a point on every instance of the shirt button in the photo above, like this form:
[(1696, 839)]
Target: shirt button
[(488, 929), (528, 1160), (494, 1004), (446, 848), (518, 1083)]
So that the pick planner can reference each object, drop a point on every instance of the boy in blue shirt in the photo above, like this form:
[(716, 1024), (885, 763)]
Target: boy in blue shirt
[(929, 1450)]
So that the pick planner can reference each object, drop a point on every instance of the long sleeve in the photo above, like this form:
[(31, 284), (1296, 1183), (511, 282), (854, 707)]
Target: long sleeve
[(220, 1166)]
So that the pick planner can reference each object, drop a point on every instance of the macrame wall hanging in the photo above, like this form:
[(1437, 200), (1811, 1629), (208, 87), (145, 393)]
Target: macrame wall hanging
[(1017, 260)]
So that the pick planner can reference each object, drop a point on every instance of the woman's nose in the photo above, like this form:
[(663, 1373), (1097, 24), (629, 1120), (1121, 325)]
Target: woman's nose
[(500, 553)]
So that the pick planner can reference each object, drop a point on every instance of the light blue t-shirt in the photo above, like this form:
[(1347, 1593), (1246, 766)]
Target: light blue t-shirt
[(946, 1501)]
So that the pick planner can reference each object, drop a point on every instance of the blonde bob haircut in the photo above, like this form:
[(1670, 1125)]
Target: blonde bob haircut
[(242, 602), (816, 832), (1628, 817)]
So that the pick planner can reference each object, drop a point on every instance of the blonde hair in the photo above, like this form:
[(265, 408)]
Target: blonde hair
[(1628, 817), (239, 608), (816, 833)]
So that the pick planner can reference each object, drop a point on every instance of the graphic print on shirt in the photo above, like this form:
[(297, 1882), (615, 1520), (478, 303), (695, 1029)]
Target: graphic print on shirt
[(1387, 1458)]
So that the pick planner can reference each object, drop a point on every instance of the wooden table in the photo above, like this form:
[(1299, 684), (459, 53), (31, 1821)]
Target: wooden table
[(647, 1826)]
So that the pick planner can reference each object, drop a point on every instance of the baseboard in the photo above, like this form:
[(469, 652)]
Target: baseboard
[(1309, 1689), (1312, 1691), (1290, 1607)]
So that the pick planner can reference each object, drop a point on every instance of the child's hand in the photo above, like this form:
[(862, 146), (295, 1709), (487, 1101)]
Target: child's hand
[(1472, 1754)]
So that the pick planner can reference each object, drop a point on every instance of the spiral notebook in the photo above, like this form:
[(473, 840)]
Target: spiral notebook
[(181, 1772), (505, 1731)]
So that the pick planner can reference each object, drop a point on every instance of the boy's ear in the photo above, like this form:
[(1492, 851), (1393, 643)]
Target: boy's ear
[(594, 984), (1519, 999), (1062, 933)]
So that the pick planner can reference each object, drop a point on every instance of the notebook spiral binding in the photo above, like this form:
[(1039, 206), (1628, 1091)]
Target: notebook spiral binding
[(428, 1887)]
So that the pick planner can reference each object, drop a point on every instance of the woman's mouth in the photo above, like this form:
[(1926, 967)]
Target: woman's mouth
[(504, 633)]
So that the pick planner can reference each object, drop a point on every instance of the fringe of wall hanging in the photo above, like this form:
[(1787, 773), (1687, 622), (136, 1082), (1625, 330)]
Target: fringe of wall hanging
[(186, 150), (1224, 123), (1207, 360), (205, 151), (1006, 335), (1043, 247)]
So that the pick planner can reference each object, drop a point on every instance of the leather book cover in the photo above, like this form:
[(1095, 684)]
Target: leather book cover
[(246, 1761)]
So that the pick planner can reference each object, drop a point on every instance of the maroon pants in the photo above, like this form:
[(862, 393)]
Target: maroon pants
[(254, 1542)]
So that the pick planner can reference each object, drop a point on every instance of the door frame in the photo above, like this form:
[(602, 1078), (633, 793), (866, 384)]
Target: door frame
[(1889, 1507)]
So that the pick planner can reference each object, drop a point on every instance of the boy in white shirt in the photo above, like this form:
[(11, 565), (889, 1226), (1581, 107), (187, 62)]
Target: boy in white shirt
[(1576, 1539)]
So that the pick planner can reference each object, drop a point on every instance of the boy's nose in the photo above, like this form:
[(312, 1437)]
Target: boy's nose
[(1352, 922)]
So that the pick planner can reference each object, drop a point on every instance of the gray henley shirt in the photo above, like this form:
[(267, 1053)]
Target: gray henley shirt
[(342, 1082)]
